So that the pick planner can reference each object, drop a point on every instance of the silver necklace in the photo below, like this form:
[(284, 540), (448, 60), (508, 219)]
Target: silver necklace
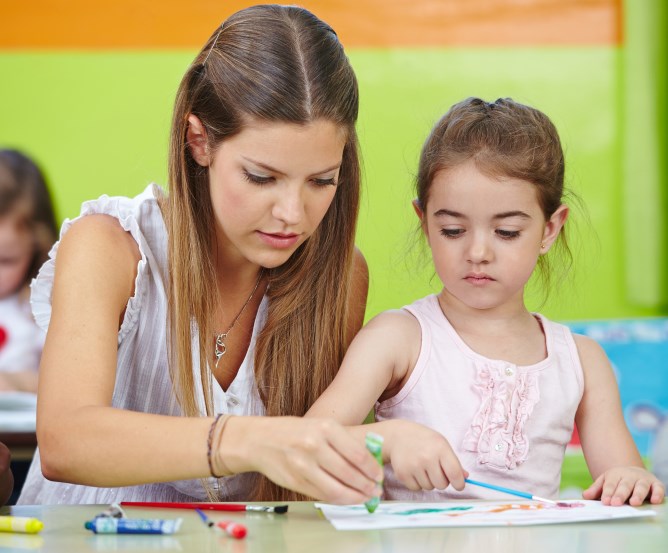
[(220, 347)]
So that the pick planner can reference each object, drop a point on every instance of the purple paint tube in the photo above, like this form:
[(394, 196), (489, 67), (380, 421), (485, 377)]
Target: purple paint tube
[(109, 525)]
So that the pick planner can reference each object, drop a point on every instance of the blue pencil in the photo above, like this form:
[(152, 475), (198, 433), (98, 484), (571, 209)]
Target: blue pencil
[(508, 490)]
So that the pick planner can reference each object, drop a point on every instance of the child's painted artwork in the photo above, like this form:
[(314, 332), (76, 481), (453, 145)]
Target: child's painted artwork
[(472, 513)]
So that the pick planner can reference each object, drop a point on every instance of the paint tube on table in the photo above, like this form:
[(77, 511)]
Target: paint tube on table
[(109, 525), (374, 443)]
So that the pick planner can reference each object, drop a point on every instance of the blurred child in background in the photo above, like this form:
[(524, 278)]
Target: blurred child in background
[(27, 231)]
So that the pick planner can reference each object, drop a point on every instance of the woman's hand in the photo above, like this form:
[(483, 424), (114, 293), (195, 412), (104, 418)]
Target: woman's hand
[(316, 457), (621, 484), (421, 458)]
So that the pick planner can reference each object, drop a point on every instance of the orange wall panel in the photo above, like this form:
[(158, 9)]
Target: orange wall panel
[(168, 24)]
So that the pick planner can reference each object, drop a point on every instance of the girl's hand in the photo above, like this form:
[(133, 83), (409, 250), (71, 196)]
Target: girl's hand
[(316, 457), (617, 485), (421, 458)]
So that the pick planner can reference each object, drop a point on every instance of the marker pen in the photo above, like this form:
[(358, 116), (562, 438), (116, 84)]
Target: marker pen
[(374, 443), (25, 525), (109, 525)]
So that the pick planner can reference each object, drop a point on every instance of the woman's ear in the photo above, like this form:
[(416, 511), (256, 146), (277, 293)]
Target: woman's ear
[(553, 227), (197, 142)]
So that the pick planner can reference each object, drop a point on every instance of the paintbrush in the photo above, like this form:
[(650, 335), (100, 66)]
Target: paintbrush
[(278, 509), (515, 492)]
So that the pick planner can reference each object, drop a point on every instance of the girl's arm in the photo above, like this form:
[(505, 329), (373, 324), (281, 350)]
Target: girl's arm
[(379, 358), (611, 455), (84, 440), (377, 365)]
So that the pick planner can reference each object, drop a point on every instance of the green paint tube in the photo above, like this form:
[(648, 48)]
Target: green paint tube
[(374, 443)]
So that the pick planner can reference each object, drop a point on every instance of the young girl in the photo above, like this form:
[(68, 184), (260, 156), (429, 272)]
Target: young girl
[(27, 232), (502, 385), (236, 294)]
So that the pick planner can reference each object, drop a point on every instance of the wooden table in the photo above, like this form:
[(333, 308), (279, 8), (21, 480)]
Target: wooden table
[(302, 529)]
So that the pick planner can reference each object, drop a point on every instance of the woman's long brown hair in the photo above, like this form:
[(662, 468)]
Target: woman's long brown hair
[(281, 64)]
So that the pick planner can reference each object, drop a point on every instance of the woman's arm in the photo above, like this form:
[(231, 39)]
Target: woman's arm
[(84, 440), (611, 455)]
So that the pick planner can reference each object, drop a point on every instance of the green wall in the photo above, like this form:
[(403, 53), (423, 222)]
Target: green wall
[(99, 122), (404, 92)]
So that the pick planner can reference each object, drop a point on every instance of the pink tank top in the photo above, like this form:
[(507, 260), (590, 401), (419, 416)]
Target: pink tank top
[(508, 424)]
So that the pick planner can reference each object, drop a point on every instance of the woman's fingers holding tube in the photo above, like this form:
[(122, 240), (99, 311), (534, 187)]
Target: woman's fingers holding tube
[(349, 474), (352, 450)]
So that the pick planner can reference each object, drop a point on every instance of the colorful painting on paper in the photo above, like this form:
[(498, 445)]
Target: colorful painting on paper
[(474, 513)]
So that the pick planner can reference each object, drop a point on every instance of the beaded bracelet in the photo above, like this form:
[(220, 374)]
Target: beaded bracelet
[(209, 443), (212, 438)]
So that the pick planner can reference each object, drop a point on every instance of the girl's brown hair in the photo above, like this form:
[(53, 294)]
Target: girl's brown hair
[(277, 64), (25, 196), (504, 139)]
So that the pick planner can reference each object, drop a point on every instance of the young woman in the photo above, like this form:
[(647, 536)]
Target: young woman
[(235, 294)]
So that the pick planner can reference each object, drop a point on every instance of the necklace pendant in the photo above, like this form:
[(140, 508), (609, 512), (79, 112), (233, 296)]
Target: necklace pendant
[(220, 347)]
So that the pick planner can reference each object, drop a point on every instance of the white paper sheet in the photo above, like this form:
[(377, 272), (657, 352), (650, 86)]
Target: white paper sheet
[(472, 513)]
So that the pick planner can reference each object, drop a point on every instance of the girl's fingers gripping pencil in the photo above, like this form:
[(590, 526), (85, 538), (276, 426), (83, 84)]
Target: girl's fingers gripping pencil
[(374, 443)]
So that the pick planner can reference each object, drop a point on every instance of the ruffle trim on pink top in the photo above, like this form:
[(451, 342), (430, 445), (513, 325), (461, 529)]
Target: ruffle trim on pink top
[(497, 432)]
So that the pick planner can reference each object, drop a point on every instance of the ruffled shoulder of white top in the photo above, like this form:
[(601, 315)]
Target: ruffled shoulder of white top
[(127, 211)]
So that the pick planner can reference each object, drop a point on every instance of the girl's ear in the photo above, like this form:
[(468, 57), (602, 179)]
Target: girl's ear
[(553, 227), (420, 213), (196, 137), (418, 209)]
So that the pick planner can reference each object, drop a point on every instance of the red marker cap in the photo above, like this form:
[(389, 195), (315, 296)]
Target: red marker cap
[(233, 529)]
